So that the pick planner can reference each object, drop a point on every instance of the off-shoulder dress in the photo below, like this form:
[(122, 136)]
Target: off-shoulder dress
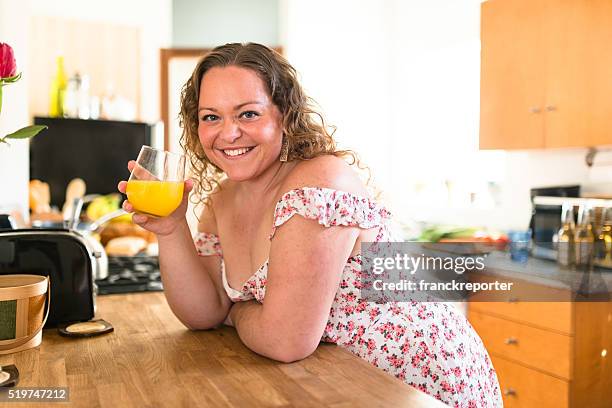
[(430, 346)]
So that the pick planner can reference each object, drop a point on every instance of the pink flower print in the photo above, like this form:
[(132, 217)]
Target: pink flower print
[(425, 371), (447, 387), (371, 346), (434, 331), (350, 326), (396, 309), (461, 351), (395, 361), (456, 371), (399, 331), (348, 310), (449, 334)]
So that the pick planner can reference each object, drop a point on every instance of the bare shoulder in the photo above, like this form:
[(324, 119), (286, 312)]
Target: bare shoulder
[(216, 200), (327, 172)]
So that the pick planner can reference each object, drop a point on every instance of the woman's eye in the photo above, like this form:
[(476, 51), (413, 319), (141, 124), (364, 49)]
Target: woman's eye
[(209, 118), (249, 114)]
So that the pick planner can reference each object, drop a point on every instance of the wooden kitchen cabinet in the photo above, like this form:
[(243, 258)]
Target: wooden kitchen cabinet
[(547, 354), (545, 74)]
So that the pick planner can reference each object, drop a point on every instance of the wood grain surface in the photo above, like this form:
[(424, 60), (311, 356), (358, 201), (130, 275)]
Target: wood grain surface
[(152, 360)]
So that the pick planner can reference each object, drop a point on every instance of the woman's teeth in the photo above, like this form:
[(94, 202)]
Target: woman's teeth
[(237, 152)]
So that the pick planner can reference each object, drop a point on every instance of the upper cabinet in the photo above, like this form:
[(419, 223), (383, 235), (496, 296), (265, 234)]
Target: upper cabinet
[(546, 74)]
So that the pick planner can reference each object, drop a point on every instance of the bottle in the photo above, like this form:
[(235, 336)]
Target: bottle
[(565, 236), (604, 250), (584, 237), (71, 97), (83, 98), (58, 88)]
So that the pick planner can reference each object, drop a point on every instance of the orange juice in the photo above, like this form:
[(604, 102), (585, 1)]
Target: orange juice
[(159, 198)]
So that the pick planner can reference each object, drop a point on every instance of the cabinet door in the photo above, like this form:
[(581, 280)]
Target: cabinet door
[(578, 102), (512, 75)]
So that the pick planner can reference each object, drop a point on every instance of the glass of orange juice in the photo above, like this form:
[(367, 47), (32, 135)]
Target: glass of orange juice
[(155, 186)]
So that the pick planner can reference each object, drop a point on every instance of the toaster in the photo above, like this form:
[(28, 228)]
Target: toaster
[(66, 257)]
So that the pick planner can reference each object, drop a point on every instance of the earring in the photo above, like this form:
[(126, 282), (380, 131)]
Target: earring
[(284, 153)]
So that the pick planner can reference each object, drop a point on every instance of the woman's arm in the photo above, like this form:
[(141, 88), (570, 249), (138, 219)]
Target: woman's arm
[(305, 268), (192, 284)]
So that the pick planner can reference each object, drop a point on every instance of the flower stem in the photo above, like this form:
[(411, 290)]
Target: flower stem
[(1, 85)]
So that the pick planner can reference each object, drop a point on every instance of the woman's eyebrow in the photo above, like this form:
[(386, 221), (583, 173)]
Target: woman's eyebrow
[(235, 107)]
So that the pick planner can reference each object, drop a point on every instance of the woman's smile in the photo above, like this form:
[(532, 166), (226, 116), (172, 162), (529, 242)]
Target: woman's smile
[(236, 153)]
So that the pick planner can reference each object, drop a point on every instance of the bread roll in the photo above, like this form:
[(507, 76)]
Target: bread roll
[(125, 229), (125, 246)]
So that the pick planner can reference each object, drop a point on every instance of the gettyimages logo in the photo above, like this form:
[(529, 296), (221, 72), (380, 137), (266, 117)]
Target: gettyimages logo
[(412, 264)]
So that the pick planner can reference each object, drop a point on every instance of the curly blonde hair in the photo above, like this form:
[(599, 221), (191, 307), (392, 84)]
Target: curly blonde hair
[(303, 127)]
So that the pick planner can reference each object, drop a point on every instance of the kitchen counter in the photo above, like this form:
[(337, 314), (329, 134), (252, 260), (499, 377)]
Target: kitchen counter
[(152, 360), (548, 273)]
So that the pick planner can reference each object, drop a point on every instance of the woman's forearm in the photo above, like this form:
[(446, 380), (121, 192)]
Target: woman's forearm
[(188, 287), (266, 337)]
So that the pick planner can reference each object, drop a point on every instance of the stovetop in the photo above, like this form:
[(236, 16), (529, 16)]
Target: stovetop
[(128, 274)]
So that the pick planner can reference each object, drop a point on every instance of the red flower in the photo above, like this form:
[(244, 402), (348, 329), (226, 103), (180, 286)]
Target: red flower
[(8, 66)]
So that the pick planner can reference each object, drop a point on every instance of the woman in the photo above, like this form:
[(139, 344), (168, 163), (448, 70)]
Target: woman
[(284, 220)]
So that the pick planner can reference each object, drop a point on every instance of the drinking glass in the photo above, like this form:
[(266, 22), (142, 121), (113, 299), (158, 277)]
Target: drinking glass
[(519, 245), (155, 186)]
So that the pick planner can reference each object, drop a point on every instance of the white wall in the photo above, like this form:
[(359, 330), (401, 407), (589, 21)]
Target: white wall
[(208, 23), (342, 52), (401, 80)]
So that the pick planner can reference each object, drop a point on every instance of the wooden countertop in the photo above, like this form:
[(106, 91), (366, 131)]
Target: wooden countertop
[(152, 360)]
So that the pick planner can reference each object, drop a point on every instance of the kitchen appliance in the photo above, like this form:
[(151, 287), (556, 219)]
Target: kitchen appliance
[(546, 217), (66, 257)]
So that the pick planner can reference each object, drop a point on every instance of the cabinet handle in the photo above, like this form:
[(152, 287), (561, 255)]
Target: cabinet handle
[(551, 108), (535, 109), (509, 392), (511, 340)]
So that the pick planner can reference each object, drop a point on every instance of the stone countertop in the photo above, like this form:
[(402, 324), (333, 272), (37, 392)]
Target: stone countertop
[(549, 273)]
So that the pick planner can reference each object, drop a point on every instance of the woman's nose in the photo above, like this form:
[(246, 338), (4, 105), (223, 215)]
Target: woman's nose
[(230, 131)]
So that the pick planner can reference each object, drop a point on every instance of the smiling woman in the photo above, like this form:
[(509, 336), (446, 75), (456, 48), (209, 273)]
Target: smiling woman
[(278, 252)]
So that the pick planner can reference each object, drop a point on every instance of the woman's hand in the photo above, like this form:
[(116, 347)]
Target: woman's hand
[(162, 225)]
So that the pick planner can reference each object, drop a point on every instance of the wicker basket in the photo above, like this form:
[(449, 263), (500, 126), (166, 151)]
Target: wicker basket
[(22, 311)]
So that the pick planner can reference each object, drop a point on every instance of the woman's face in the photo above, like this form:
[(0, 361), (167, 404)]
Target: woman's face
[(238, 125)]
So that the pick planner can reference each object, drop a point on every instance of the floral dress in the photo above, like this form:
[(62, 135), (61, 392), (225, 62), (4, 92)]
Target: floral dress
[(428, 345)]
